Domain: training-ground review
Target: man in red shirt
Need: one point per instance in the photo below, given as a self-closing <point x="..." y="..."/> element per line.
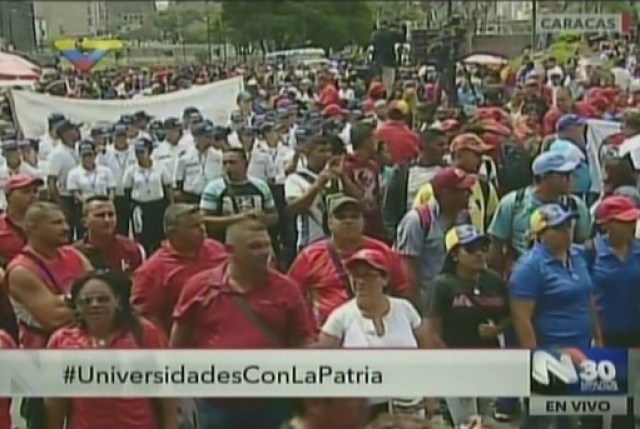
<point x="401" y="141"/>
<point x="319" y="268"/>
<point x="242" y="304"/>
<point x="328" y="93"/>
<point x="158" y="282"/>
<point x="40" y="277"/>
<point x="101" y="245"/>
<point x="363" y="170"/>
<point x="21" y="191"/>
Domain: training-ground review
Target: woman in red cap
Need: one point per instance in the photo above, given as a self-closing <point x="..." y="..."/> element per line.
<point x="373" y="319"/>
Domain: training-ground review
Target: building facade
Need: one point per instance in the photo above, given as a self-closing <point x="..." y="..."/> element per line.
<point x="62" y="19"/>
<point x="17" y="25"/>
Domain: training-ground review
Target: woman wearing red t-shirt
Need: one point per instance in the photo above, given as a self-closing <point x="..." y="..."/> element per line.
<point x="107" y="321"/>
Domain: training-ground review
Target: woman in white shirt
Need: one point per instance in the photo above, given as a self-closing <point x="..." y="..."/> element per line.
<point x="148" y="185"/>
<point x="373" y="319"/>
<point x="89" y="179"/>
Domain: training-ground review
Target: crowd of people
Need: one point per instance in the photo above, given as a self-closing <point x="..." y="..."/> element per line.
<point x="335" y="213"/>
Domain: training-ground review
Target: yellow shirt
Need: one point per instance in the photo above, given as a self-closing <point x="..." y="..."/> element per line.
<point x="477" y="207"/>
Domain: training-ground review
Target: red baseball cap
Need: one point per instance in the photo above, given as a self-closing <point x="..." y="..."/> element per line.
<point x="21" y="181"/>
<point x="617" y="208"/>
<point x="470" y="142"/>
<point x="371" y="257"/>
<point x="333" y="110"/>
<point x="452" y="179"/>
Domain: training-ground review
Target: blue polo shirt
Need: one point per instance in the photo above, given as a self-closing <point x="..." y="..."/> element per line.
<point x="562" y="315"/>
<point x="617" y="287"/>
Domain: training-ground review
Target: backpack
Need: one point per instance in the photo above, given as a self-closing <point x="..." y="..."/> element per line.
<point x="515" y="171"/>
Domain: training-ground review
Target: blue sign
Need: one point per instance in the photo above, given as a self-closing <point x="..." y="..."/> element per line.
<point x="575" y="372"/>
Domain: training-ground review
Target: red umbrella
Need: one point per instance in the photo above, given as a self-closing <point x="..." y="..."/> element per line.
<point x="15" y="67"/>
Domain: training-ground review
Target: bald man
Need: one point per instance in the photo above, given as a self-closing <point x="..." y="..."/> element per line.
<point x="40" y="277"/>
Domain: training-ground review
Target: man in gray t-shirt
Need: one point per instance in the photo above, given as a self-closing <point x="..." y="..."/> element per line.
<point x="420" y="234"/>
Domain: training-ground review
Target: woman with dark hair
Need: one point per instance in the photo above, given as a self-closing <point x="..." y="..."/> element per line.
<point x="107" y="321"/>
<point x="470" y="306"/>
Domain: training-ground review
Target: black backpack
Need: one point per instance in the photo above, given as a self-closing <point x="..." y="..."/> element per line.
<point x="515" y="170"/>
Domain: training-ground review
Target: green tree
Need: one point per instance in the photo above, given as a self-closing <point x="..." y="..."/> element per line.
<point x="286" y="24"/>
<point x="186" y="21"/>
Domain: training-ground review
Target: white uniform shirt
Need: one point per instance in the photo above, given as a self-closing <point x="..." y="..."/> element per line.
<point x="90" y="183"/>
<point x="117" y="162"/>
<point x="186" y="140"/>
<point x="279" y="157"/>
<point x="45" y="148"/>
<point x="6" y="172"/>
<point x="146" y="184"/>
<point x="195" y="170"/>
<point x="166" y="155"/>
<point x="62" y="160"/>
<point x="260" y="163"/>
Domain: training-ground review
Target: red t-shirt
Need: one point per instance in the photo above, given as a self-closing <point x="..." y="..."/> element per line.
<point x="120" y="253"/>
<point x="5" y="404"/>
<point x="401" y="141"/>
<point x="366" y="174"/>
<point x="66" y="267"/>
<point x="328" y="95"/>
<point x="207" y="308"/>
<point x="12" y="239"/>
<point x="107" y="413"/>
<point x="157" y="284"/>
<point x="320" y="279"/>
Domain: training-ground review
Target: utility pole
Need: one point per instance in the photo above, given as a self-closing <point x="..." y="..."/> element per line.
<point x="534" y="24"/>
<point x="208" y="21"/>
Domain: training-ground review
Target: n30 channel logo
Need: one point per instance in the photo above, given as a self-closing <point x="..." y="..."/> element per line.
<point x="575" y="371"/>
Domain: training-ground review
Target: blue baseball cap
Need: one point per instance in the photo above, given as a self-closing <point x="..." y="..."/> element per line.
<point x="549" y="216"/>
<point x="54" y="118"/>
<point x="189" y="111"/>
<point x="142" y="144"/>
<point x="172" y="122"/>
<point x="552" y="162"/>
<point x="567" y="121"/>
<point x="100" y="131"/>
<point x="463" y="235"/>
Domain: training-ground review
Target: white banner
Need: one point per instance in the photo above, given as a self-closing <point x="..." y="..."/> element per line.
<point x="215" y="101"/>
<point x="264" y="373"/>
<point x="597" y="132"/>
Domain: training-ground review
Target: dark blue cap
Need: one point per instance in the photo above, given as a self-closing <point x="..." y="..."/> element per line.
<point x="220" y="132"/>
<point x="141" y="114"/>
<point x="203" y="129"/>
<point x="142" y="144"/>
<point x="54" y="118"/>
<point x="190" y="111"/>
<point x="86" y="147"/>
<point x="172" y="123"/>
<point x="101" y="131"/>
<point x="125" y="119"/>
<point x="119" y="129"/>
<point x="64" y="126"/>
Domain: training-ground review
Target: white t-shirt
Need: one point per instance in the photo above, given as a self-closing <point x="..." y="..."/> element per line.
<point x="308" y="225"/>
<point x="356" y="331"/>
<point x="61" y="161"/>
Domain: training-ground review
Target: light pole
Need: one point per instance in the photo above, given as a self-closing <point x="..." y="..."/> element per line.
<point x="207" y="20"/>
